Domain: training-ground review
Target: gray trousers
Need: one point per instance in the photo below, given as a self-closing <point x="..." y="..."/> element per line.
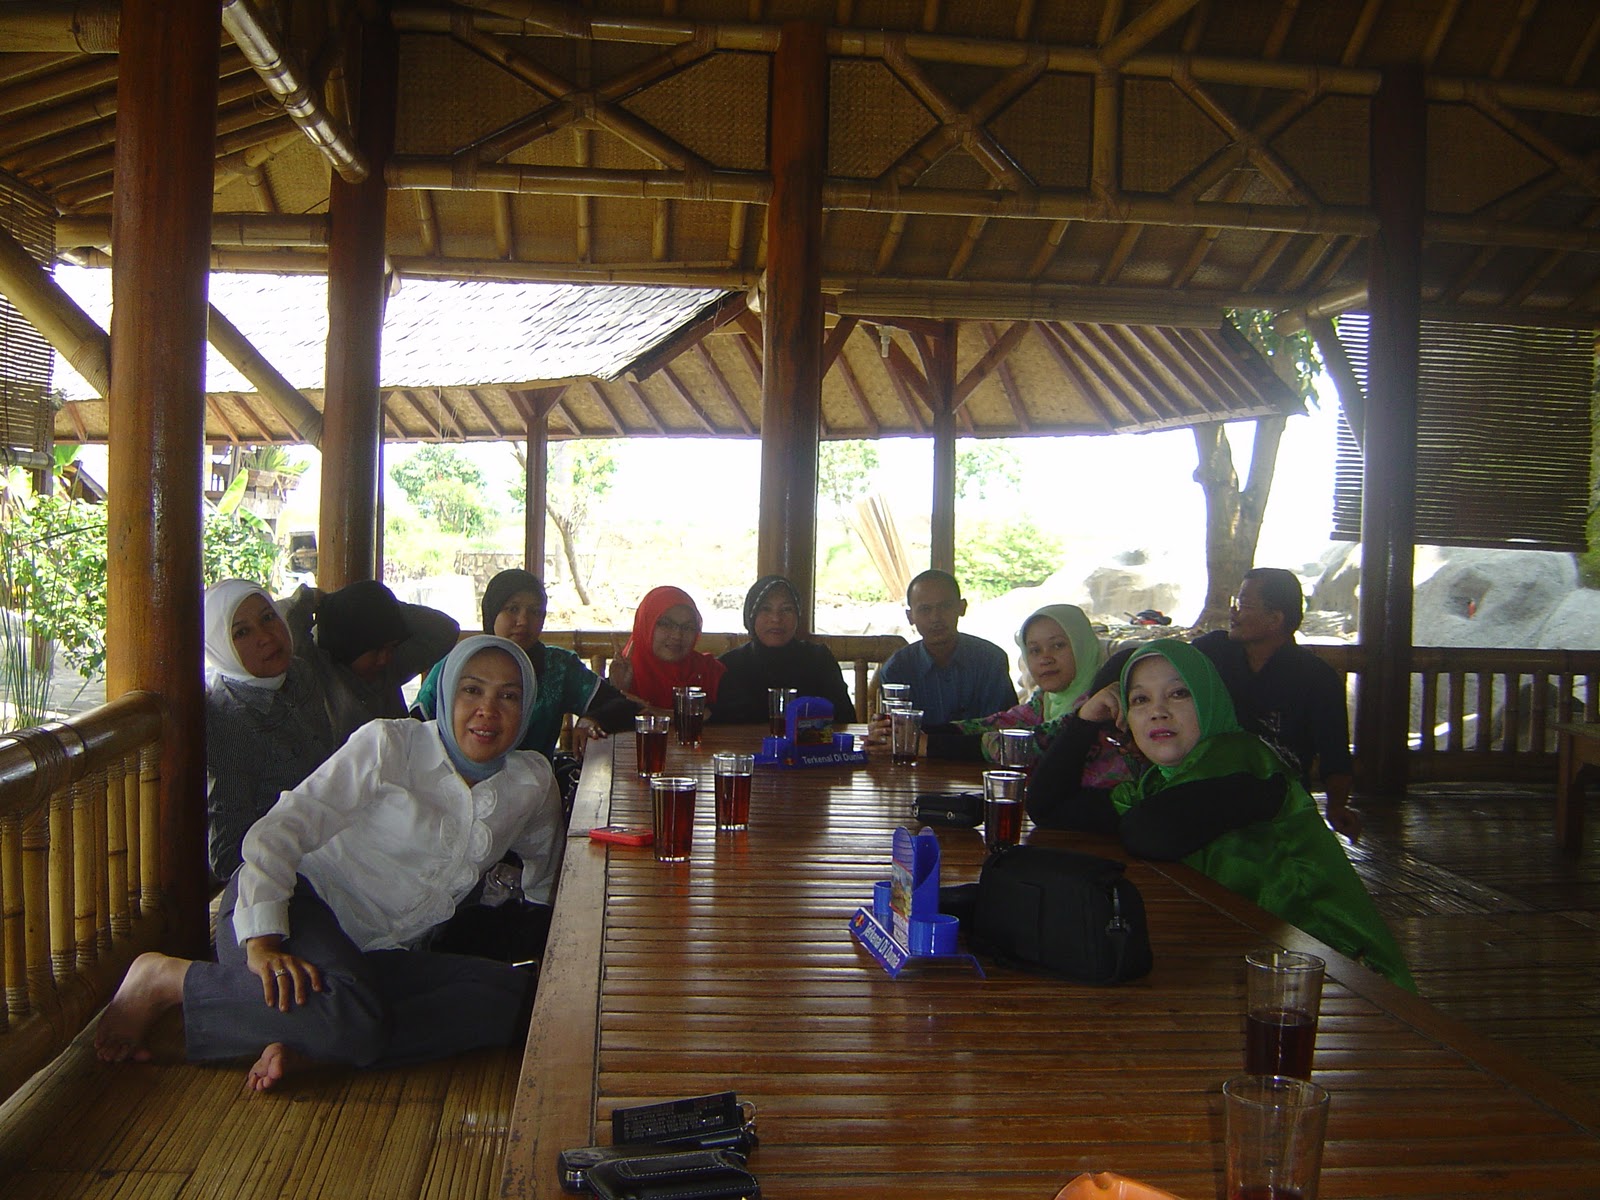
<point x="381" y="1008"/>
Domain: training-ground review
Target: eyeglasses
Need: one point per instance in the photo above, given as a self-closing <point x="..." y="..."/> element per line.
<point x="1241" y="608"/>
<point x="685" y="627"/>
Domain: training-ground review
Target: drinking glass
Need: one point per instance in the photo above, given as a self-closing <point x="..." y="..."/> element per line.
<point x="1002" y="808"/>
<point x="733" y="774"/>
<point x="1017" y="750"/>
<point x="650" y="733"/>
<point x="672" y="804"/>
<point x="1283" y="994"/>
<point x="1275" y="1127"/>
<point x="689" y="715"/>
<point x="905" y="734"/>
<point x="778" y="701"/>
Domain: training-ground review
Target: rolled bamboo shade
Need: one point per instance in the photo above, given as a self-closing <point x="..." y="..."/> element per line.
<point x="26" y="415"/>
<point x="1503" y="437"/>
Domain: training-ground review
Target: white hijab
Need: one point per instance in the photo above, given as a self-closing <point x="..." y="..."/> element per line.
<point x="222" y="600"/>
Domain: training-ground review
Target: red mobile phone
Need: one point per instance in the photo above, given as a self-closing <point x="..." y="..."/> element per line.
<point x="622" y="835"/>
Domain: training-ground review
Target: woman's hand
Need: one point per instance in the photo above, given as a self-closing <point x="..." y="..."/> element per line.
<point x="1105" y="705"/>
<point x="285" y="978"/>
<point x="585" y="731"/>
<point x="877" y="732"/>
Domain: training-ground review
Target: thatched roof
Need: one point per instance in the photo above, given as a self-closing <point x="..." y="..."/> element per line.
<point x="1129" y="162"/>
<point x="470" y="360"/>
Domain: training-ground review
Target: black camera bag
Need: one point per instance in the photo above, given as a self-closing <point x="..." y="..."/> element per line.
<point x="1062" y="913"/>
<point x="949" y="808"/>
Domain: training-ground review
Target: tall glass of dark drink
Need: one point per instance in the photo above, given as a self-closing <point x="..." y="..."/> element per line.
<point x="1017" y="750"/>
<point x="672" y="803"/>
<point x="1002" y="808"/>
<point x="1283" y="995"/>
<point x="905" y="735"/>
<point x="650" y="734"/>
<point x="778" y="701"/>
<point x="733" y="776"/>
<point x="689" y="714"/>
<point x="1275" y="1127"/>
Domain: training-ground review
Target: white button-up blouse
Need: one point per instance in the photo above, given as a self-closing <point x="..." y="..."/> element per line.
<point x="393" y="838"/>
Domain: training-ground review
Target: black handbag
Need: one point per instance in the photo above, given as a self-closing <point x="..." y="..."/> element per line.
<point x="950" y="808"/>
<point x="681" y="1175"/>
<point x="1063" y="913"/>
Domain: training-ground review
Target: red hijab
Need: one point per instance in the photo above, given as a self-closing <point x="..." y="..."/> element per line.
<point x="653" y="680"/>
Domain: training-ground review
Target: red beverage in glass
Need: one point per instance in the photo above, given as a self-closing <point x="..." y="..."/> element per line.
<point x="778" y="726"/>
<point x="1002" y="823"/>
<point x="672" y="800"/>
<point x="1266" y="1191"/>
<point x="733" y="801"/>
<point x="1279" y="1042"/>
<point x="652" y="746"/>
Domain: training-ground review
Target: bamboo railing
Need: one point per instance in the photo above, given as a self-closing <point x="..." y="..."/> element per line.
<point x="79" y="864"/>
<point x="1484" y="714"/>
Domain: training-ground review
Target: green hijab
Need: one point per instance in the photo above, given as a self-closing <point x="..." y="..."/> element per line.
<point x="1212" y="755"/>
<point x="1087" y="654"/>
<point x="1291" y="865"/>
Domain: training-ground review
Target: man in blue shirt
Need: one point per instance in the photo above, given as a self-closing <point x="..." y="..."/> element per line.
<point x="953" y="676"/>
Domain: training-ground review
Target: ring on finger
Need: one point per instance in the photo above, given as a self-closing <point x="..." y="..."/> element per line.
<point x="280" y="973"/>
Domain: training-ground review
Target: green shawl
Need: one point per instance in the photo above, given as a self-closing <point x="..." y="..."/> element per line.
<point x="1292" y="865"/>
<point x="1087" y="654"/>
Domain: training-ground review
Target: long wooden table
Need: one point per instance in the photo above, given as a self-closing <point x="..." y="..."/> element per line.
<point x="736" y="971"/>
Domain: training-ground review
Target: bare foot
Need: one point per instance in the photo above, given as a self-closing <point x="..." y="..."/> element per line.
<point x="153" y="984"/>
<point x="277" y="1062"/>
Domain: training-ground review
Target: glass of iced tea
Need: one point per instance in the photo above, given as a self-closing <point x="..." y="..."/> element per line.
<point x="1283" y="995"/>
<point x="1002" y="808"/>
<point x="778" y="701"/>
<point x="733" y="775"/>
<point x="650" y="734"/>
<point x="672" y="803"/>
<point x="905" y="735"/>
<point x="689" y="715"/>
<point x="1017" y="750"/>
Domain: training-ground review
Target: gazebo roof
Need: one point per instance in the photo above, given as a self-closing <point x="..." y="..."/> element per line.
<point x="470" y="360"/>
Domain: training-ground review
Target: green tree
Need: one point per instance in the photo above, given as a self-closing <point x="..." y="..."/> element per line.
<point x="446" y="487"/>
<point x="845" y="470"/>
<point x="997" y="556"/>
<point x="985" y="465"/>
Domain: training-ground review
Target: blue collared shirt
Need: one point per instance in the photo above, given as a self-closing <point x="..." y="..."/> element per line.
<point x="976" y="682"/>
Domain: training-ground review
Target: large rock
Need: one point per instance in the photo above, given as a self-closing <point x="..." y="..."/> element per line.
<point x="1575" y="624"/>
<point x="1492" y="597"/>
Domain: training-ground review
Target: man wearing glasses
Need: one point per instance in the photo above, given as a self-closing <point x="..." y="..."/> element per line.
<point x="1283" y="691"/>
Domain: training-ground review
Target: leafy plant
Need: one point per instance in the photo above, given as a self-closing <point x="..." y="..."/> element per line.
<point x="845" y="470"/>
<point x="982" y="465"/>
<point x="995" y="556"/>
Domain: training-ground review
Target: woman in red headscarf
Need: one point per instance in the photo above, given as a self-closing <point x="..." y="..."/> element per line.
<point x="661" y="655"/>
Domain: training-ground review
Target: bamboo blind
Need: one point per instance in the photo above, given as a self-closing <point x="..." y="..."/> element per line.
<point x="26" y="416"/>
<point x="1503" y="436"/>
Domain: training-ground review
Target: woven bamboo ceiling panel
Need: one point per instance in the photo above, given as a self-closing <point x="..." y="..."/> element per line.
<point x="1053" y="164"/>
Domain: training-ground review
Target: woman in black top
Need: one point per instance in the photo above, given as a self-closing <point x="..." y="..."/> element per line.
<point x="777" y="656"/>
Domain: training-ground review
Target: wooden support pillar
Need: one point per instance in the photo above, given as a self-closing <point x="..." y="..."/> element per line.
<point x="537" y="468"/>
<point x="791" y="385"/>
<point x="161" y="223"/>
<point x="939" y="354"/>
<point x="352" y="432"/>
<point x="1389" y="449"/>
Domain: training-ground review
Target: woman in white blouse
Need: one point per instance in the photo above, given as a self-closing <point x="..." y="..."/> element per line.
<point x="322" y="934"/>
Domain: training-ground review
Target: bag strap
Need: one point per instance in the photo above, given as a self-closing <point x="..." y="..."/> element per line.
<point x="1119" y="932"/>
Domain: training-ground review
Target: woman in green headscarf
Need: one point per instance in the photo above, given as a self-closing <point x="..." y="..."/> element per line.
<point x="1062" y="654"/>
<point x="1225" y="804"/>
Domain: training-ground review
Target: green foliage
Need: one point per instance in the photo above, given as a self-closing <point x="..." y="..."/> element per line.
<point x="237" y="545"/>
<point x="993" y="557"/>
<point x="54" y="575"/>
<point x="1303" y="364"/>
<point x="445" y="486"/>
<point x="413" y="549"/>
<point x="275" y="458"/>
<point x="981" y="466"/>
<point x="845" y="470"/>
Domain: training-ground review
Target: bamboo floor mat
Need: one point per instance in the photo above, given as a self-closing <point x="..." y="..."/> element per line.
<point x="1501" y="929"/>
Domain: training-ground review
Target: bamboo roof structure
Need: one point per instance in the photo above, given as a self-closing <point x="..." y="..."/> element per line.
<point x="1044" y="172"/>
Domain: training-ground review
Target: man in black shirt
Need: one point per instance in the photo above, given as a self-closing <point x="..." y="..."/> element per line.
<point x="1283" y="691"/>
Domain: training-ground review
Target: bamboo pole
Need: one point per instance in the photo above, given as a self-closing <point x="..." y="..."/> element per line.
<point x="939" y="366"/>
<point x="166" y="104"/>
<point x="59" y="320"/>
<point x="60" y="874"/>
<point x="132" y="822"/>
<point x="13" y="938"/>
<point x="1389" y="451"/>
<point x="84" y="27"/>
<point x="352" y="406"/>
<point x="84" y="856"/>
<point x="150" y="856"/>
<point x="791" y="384"/>
<point x="288" y="400"/>
<point x="117" y="889"/>
<point x="36" y="905"/>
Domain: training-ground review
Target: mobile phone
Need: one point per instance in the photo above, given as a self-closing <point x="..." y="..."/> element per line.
<point x="622" y="835"/>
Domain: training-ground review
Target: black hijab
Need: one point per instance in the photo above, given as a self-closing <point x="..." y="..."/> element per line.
<point x="773" y="657"/>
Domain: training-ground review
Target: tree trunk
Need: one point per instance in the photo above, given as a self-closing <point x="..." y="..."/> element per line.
<point x="568" y="532"/>
<point x="1233" y="517"/>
